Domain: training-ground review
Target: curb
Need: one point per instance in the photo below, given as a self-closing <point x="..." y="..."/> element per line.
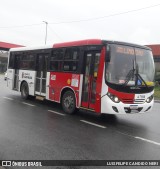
<point x="157" y="101"/>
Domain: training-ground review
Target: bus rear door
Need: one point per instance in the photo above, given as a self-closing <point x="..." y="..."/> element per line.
<point x="16" y="74"/>
<point x="41" y="68"/>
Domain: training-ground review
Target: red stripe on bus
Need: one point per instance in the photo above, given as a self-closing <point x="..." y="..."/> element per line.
<point x="127" y="98"/>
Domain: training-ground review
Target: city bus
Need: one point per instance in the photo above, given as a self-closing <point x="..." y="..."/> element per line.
<point x="101" y="76"/>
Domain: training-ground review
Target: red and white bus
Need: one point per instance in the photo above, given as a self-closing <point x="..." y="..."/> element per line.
<point x="98" y="75"/>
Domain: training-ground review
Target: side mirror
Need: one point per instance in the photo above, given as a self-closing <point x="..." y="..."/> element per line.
<point x="108" y="54"/>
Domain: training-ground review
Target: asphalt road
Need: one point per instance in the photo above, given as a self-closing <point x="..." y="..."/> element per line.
<point x="36" y="130"/>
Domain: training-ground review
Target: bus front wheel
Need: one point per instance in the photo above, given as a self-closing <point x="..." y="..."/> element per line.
<point x="24" y="91"/>
<point x="69" y="102"/>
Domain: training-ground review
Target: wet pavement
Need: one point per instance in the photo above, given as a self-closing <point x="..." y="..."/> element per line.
<point x="36" y="130"/>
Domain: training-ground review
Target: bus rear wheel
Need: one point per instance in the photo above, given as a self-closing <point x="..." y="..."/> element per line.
<point x="24" y="91"/>
<point x="69" y="102"/>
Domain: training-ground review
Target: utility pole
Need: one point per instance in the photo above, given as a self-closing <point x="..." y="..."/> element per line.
<point x="46" y="31"/>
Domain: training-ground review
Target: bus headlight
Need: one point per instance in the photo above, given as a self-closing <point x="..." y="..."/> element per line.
<point x="149" y="99"/>
<point x="116" y="99"/>
<point x="113" y="97"/>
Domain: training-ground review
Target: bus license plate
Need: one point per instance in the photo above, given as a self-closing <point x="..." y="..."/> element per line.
<point x="134" y="107"/>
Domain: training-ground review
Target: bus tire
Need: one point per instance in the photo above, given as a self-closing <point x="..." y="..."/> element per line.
<point x="69" y="102"/>
<point x="24" y="91"/>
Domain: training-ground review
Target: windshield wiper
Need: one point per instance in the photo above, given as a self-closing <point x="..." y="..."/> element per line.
<point x="132" y="73"/>
<point x="129" y="76"/>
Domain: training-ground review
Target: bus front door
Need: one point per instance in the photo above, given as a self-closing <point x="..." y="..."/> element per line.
<point x="41" y="69"/>
<point x="90" y="80"/>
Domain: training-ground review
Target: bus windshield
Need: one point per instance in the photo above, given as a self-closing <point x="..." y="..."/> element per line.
<point x="129" y="66"/>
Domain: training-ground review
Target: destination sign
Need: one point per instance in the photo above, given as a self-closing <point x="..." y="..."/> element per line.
<point x="129" y="51"/>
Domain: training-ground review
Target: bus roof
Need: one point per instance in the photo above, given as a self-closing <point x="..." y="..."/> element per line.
<point x="63" y="44"/>
<point x="78" y="43"/>
<point x="96" y="42"/>
<point x="31" y="48"/>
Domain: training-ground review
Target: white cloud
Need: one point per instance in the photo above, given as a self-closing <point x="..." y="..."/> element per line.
<point x="140" y="36"/>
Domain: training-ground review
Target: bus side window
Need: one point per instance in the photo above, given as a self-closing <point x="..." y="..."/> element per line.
<point x="71" y="59"/>
<point x="56" y="61"/>
<point x="27" y="61"/>
<point x="11" y="61"/>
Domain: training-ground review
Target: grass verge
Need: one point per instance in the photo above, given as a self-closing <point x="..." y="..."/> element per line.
<point x="157" y="92"/>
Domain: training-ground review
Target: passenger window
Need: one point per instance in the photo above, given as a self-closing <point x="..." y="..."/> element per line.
<point x="71" y="59"/>
<point x="56" y="61"/>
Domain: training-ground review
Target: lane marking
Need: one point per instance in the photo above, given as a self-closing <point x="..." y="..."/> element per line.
<point x="7" y="98"/>
<point x="55" y="112"/>
<point x="28" y="104"/>
<point x="93" y="124"/>
<point x="149" y="141"/>
<point x="126" y="134"/>
<point x="140" y="138"/>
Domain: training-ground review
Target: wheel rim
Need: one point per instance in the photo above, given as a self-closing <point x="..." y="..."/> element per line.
<point x="69" y="102"/>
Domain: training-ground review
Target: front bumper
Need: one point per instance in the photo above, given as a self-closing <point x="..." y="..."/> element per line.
<point x="110" y="107"/>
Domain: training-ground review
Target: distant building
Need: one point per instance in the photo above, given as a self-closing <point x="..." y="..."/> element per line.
<point x="3" y="62"/>
<point x="4" y="48"/>
<point x="156" y="55"/>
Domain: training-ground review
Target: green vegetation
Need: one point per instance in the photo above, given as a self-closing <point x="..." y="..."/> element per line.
<point x="157" y="92"/>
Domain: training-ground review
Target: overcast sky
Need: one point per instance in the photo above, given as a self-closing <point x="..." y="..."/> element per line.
<point x="21" y="21"/>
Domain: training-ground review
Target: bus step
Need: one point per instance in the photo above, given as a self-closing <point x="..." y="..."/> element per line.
<point x="40" y="98"/>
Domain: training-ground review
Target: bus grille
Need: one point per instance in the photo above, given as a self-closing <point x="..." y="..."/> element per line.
<point x="139" y="101"/>
<point x="127" y="101"/>
<point x="132" y="101"/>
